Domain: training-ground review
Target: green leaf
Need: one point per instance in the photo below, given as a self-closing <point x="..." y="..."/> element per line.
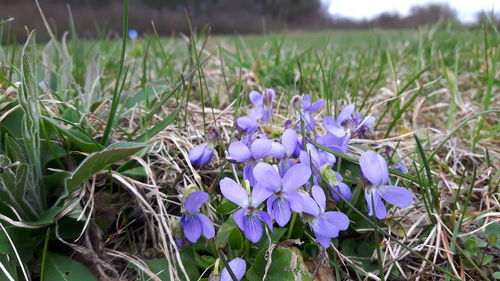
<point x="98" y="161"/>
<point x="235" y="240"/>
<point x="62" y="268"/>
<point x="29" y="102"/>
<point x="82" y="141"/>
<point x="159" y="267"/>
<point x="496" y="275"/>
<point x="22" y="239"/>
<point x="158" y="127"/>
<point x="287" y="264"/>
<point x="14" y="183"/>
<point x="10" y="265"/>
<point x="225" y="230"/>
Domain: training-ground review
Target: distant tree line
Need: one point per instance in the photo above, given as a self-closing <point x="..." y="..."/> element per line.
<point x="166" y="17"/>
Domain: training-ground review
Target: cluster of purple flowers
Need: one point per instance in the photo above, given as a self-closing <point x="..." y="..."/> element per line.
<point x="290" y="174"/>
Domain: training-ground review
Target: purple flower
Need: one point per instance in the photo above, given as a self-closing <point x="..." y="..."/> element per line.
<point x="247" y="126"/>
<point x="260" y="148"/>
<point x="238" y="267"/>
<point x="315" y="159"/>
<point x="284" y="198"/>
<point x="401" y="167"/>
<point x="307" y="109"/>
<point x="248" y="218"/>
<point x="193" y="222"/>
<point x="374" y="169"/>
<point x="333" y="142"/>
<point x="291" y="143"/>
<point x="326" y="225"/>
<point x="340" y="188"/>
<point x="201" y="154"/>
<point x="132" y="33"/>
<point x="263" y="104"/>
<point x="348" y="121"/>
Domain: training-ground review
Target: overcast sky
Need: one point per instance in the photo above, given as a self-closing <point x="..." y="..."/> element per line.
<point x="360" y="9"/>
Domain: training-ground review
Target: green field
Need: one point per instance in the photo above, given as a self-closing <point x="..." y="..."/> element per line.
<point x="95" y="135"/>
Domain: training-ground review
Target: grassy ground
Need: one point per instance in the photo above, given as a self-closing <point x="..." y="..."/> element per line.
<point x="433" y="91"/>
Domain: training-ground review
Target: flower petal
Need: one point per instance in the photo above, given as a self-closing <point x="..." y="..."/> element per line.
<point x="194" y="201"/>
<point x="198" y="155"/>
<point x="324" y="241"/>
<point x="267" y="176"/>
<point x="374" y="168"/>
<point x="380" y="210"/>
<point x="266" y="218"/>
<point x="255" y="97"/>
<point x="319" y="196"/>
<point x="281" y="211"/>
<point x="306" y="102"/>
<point x="206" y="157"/>
<point x="339" y="219"/>
<point x="295" y="201"/>
<point x="295" y="176"/>
<point x="289" y="139"/>
<point x="396" y="195"/>
<point x="252" y="227"/>
<point x="238" y="267"/>
<point x="316" y="106"/>
<point x="323" y="227"/>
<point x="207" y="227"/>
<point x="375" y="204"/>
<point x="343" y="190"/>
<point x="247" y="123"/>
<point x="192" y="227"/>
<point x="234" y="192"/>
<point x="333" y="142"/>
<point x="239" y="218"/>
<point x="239" y="151"/>
<point x="260" y="148"/>
<point x="310" y="206"/>
<point x="259" y="194"/>
<point x="332" y="127"/>
<point x="277" y="150"/>
<point x="346" y="113"/>
<point x="257" y="112"/>
<point x="248" y="172"/>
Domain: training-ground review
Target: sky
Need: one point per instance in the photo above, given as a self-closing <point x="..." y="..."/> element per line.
<point x="366" y="9"/>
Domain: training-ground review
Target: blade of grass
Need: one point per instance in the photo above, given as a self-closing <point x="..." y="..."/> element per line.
<point x="116" y="94"/>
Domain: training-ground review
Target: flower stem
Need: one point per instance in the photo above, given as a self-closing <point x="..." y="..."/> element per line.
<point x="247" y="248"/>
<point x="292" y="223"/>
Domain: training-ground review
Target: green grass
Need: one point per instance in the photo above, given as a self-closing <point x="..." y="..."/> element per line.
<point x="434" y="92"/>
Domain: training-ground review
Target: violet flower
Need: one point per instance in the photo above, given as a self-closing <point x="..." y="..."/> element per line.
<point x="260" y="148"/>
<point x="202" y="154"/>
<point x="374" y="169"/>
<point x="247" y="218"/>
<point x="247" y="126"/>
<point x="193" y="222"/>
<point x="291" y="143"/>
<point x="326" y="225"/>
<point x="401" y="167"/>
<point x="306" y="115"/>
<point x="263" y="104"/>
<point x="349" y="121"/>
<point x="338" y="187"/>
<point x="284" y="198"/>
<point x="333" y="142"/>
<point x="315" y="160"/>
<point x="238" y="267"/>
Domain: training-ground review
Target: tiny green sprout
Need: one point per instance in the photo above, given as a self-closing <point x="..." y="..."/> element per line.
<point x="329" y="175"/>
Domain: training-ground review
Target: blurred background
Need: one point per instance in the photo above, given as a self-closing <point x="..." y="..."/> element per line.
<point x="166" y="17"/>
